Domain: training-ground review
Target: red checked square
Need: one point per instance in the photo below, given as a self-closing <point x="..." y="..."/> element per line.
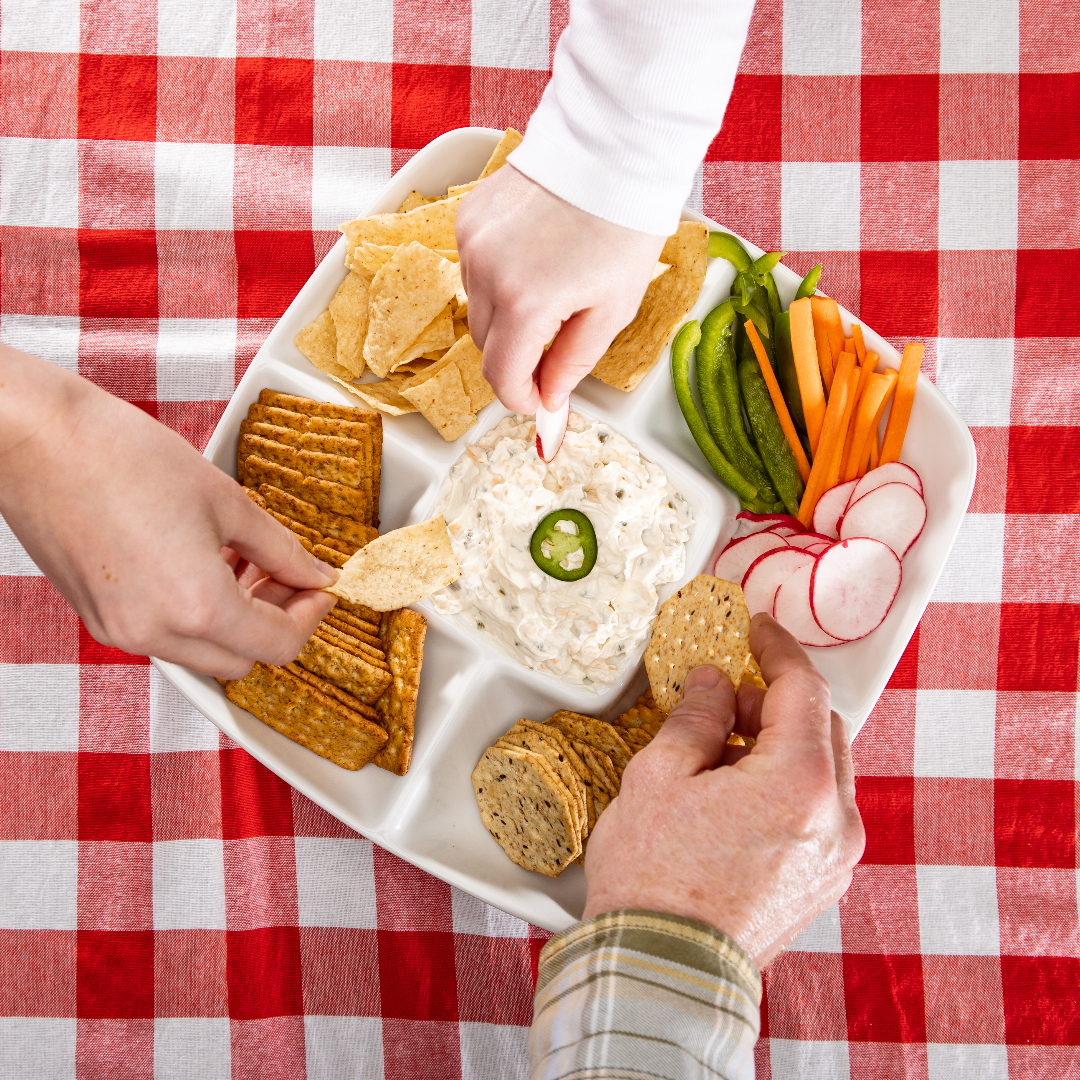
<point x="1038" y="647"/>
<point x="116" y="184"/>
<point x="409" y="899"/>
<point x="273" y="100"/>
<point x="976" y="292"/>
<point x="890" y="750"/>
<point x="419" y="1048"/>
<point x="427" y="100"/>
<point x="745" y="195"/>
<point x="880" y="912"/>
<point x="958" y="646"/>
<point x="260" y="882"/>
<point x="884" y="998"/>
<point x="340" y="971"/>
<point x="190" y="973"/>
<point x="494" y="980"/>
<point x="195" y="420"/>
<point x="272" y="268"/>
<point x="118" y="97"/>
<point x="806" y="997"/>
<point x="1037" y="912"/>
<point x="1035" y="823"/>
<point x="753" y="123"/>
<point x="1044" y="471"/>
<point x="1033" y="569"/>
<point x="352" y="103"/>
<point x="254" y="802"/>
<point x="115" y="886"/>
<point x="39" y="95"/>
<point x="115" y="974"/>
<point x="899" y="118"/>
<point x="1040" y="999"/>
<point x="39" y="273"/>
<point x="905" y="675"/>
<point x="310" y="819"/>
<point x="114" y="709"/>
<point x="899" y="39"/>
<point x="185" y="795"/>
<point x="37" y="972"/>
<point x="196" y="99"/>
<point x="954" y="821"/>
<point x="271" y="1048"/>
<point x="991" y="479"/>
<point x="1050" y="115"/>
<point x="821" y="118"/>
<point x="887" y="807"/>
<point x="417" y="975"/>
<point x="264" y="973"/>
<point x="765" y="40"/>
<point x="899" y="206"/>
<point x="196" y="274"/>
<point x="118" y="274"/>
<point x="900" y="292"/>
<point x="887" y="1059"/>
<point x="273" y="28"/>
<point x="102" y="1042"/>
<point x="979" y="94"/>
<point x="136" y="386"/>
<point x="1046" y="381"/>
<point x="38" y="626"/>
<point x="963" y="999"/>
<point x="1044" y="297"/>
<point x="114" y="797"/>
<point x="41" y="796"/>
<point x="1048" y="41"/>
<point x="272" y="187"/>
<point x="101" y="341"/>
<point x="505" y="97"/>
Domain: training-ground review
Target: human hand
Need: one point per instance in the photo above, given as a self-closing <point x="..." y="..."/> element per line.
<point x="532" y="263"/>
<point x="757" y="848"/>
<point x="157" y="550"/>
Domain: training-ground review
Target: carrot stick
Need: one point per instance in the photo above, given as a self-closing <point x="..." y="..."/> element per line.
<point x="871" y="406"/>
<point x="779" y="404"/>
<point x="832" y="432"/>
<point x="875" y="454"/>
<point x="849" y="346"/>
<point x="896" y="428"/>
<point x="804" y="351"/>
<point x="860" y="345"/>
<point x="848" y="464"/>
<point x="833" y="476"/>
<point x="821" y="339"/>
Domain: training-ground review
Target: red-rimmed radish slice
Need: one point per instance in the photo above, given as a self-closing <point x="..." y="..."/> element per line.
<point x="809" y="541"/>
<point x="551" y="429"/>
<point x="735" y="559"/>
<point x="893" y="513"/>
<point x="784" y="530"/>
<point x="768" y="572"/>
<point x="852" y="587"/>
<point x="830" y="508"/>
<point x="750" y="523"/>
<point x="892" y="472"/>
<point x="791" y="609"/>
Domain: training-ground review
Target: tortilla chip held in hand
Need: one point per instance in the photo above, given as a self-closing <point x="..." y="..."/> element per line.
<point x="399" y="567"/>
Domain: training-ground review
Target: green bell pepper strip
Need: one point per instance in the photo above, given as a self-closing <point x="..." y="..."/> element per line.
<point x="681" y="349"/>
<point x="809" y="283"/>
<point x="768" y="262"/>
<point x="723" y="245"/>
<point x="769" y="435"/>
<point x="550" y="545"/>
<point x="774" y="297"/>
<point x="786" y="374"/>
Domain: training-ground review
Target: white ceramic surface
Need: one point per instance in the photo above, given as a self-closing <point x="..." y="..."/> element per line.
<point x="470" y="693"/>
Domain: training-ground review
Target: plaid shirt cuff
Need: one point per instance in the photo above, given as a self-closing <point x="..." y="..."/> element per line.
<point x="632" y="995"/>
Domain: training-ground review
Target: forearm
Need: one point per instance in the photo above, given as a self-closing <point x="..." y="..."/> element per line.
<point x="639" y="994"/>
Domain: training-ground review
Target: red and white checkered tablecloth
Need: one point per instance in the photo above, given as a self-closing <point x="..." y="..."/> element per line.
<point x="170" y="174"/>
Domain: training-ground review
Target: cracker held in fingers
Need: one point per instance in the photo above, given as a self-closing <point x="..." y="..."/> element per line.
<point x="403" y="634"/>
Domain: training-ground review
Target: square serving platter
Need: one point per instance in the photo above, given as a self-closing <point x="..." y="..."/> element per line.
<point x="470" y="691"/>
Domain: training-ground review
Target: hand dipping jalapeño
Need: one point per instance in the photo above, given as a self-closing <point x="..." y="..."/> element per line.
<point x="564" y="545"/>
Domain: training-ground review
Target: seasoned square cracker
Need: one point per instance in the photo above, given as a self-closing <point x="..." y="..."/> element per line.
<point x="355" y="676"/>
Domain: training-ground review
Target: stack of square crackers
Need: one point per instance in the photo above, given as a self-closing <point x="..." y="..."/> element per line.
<point x="350" y="696"/>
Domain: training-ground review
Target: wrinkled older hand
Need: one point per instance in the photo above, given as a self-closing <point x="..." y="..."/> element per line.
<point x="753" y="842"/>
<point x="157" y="550"/>
<point x="532" y="263"/>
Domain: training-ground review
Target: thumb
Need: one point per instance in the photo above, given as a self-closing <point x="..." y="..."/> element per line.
<point x="579" y="344"/>
<point x="695" y="733"/>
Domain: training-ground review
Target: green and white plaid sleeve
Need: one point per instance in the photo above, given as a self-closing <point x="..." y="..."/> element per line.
<point x="637" y="995"/>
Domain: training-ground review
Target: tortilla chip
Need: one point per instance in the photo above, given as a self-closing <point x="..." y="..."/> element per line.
<point x="510" y="141"/>
<point x="469" y="362"/>
<point x="383" y="396"/>
<point x="431" y="225"/>
<point x="637" y="347"/>
<point x="354" y="675"/>
<point x="318" y="342"/>
<point x="705" y="622"/>
<point x="403" y="634"/>
<point x="443" y="402"/>
<point x="438" y="334"/>
<point x="413" y="200"/>
<point x="349" y="310"/>
<point x="399" y="567"/>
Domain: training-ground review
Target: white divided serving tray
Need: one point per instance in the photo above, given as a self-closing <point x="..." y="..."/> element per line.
<point x="470" y="691"/>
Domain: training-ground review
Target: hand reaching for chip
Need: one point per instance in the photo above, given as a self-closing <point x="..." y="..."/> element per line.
<point x="532" y="263"/>
<point x="756" y="848"/>
<point x="155" y="548"/>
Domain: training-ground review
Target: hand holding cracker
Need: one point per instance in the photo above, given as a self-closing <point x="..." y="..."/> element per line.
<point x="757" y="848"/>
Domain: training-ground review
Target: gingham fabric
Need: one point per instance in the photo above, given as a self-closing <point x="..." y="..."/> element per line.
<point x="169" y="176"/>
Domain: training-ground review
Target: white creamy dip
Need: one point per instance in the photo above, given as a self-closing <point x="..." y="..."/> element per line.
<point x="497" y="493"/>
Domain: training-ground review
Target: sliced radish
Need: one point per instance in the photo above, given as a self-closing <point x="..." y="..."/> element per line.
<point x="749" y="523"/>
<point x="893" y="513"/>
<point x="830" y="508"/>
<point x="809" y="540"/>
<point x="768" y="572"/>
<point x="736" y="558"/>
<point x="550" y="430"/>
<point x="784" y="530"/>
<point x="892" y="472"/>
<point x="853" y="585"/>
<point x="791" y="609"/>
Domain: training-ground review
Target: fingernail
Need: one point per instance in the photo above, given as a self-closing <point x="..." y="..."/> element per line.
<point x="331" y="573"/>
<point x="701" y="678"/>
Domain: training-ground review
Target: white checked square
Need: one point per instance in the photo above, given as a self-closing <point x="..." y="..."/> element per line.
<point x="13" y="558"/>
<point x="196" y="28"/>
<point x="493" y="1051"/>
<point x="39" y="884"/>
<point x="39" y="182"/>
<point x="339" y="1046"/>
<point x="979" y="37"/>
<point x="977" y="205"/>
<point x="819" y="205"/>
<point x="39" y="707"/>
<point x="189" y="885"/>
<point x="823" y="38"/>
<point x="510" y="34"/>
<point x="346" y="30"/>
<point x="972" y="574"/>
<point x="958" y="910"/>
<point x="335" y="882"/>
<point x="38" y="1047"/>
<point x="344" y="181"/>
<point x="957" y="1061"/>
<point x="186" y="1047"/>
<point x="954" y="733"/>
<point x="976" y="375"/>
<point x="52" y="337"/>
<point x="798" y="1059"/>
<point x="175" y="724"/>
<point x="822" y="935"/>
<point x="472" y="916"/>
<point x="193" y="186"/>
<point x="196" y="359"/>
<point x="51" y="27"/>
